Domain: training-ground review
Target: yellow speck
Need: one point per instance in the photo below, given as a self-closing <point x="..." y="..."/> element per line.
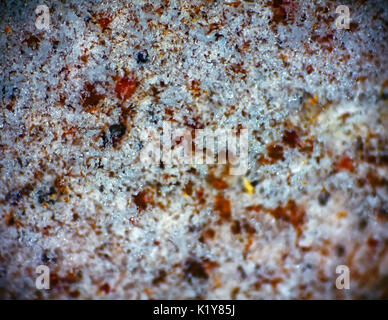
<point x="304" y="182"/>
<point x="248" y="186"/>
<point x="217" y="283"/>
<point x="185" y="194"/>
<point x="314" y="100"/>
<point x="7" y="30"/>
<point x="341" y="214"/>
<point x="52" y="196"/>
<point x="44" y="204"/>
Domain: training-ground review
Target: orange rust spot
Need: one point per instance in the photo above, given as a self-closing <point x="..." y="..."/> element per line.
<point x="217" y="183"/>
<point x="70" y="131"/>
<point x="238" y="68"/>
<point x="341" y="214"/>
<point x="372" y="243"/>
<point x="314" y="99"/>
<point x="188" y="188"/>
<point x="200" y="195"/>
<point x="307" y="146"/>
<point x="103" y="22"/>
<point x="195" y="87"/>
<point x="105" y="288"/>
<point x="234" y="4"/>
<point x="248" y="244"/>
<point x="309" y="69"/>
<point x="256" y="208"/>
<point x="142" y="199"/>
<point x="345" y="163"/>
<point x="223" y="206"/>
<point x="283" y="12"/>
<point x="291" y="213"/>
<point x="208" y="234"/>
<point x="214" y="26"/>
<point x="125" y="87"/>
<point x="210" y="265"/>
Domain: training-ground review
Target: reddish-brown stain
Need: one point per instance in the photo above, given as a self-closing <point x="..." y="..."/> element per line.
<point x="345" y="163"/>
<point x="290" y="138"/>
<point x="215" y="182"/>
<point x="291" y="213"/>
<point x="234" y="4"/>
<point x="160" y="277"/>
<point x="309" y="69"/>
<point x="32" y="42"/>
<point x="104" y="21"/>
<point x="188" y="188"/>
<point x="90" y="97"/>
<point x="283" y="12"/>
<point x="125" y="87"/>
<point x="142" y="199"/>
<point x="275" y="152"/>
<point x="195" y="87"/>
<point x="238" y="68"/>
<point x="236" y="227"/>
<point x="195" y="269"/>
<point x="223" y="206"/>
<point x="248" y="228"/>
<point x="372" y="243"/>
<point x="105" y="288"/>
<point x="207" y="234"/>
<point x="307" y="146"/>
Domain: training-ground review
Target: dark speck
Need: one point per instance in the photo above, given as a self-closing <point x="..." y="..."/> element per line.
<point x="117" y="131"/>
<point x="45" y="259"/>
<point x="362" y="224"/>
<point x="323" y="197"/>
<point x="195" y="269"/>
<point x="340" y="251"/>
<point x="218" y="36"/>
<point x="142" y="56"/>
<point x="41" y="197"/>
<point x="160" y="278"/>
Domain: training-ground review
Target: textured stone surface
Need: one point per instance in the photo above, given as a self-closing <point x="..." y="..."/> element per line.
<point x="74" y="195"/>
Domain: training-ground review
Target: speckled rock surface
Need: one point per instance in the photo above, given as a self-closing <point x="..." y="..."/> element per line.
<point x="74" y="195"/>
